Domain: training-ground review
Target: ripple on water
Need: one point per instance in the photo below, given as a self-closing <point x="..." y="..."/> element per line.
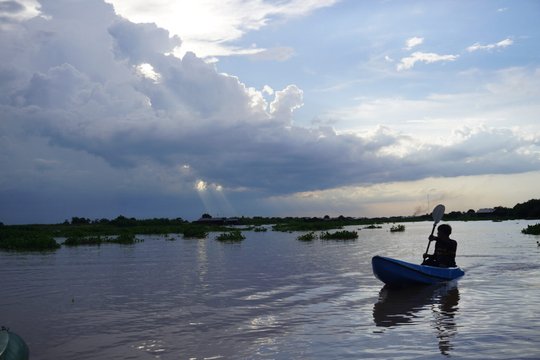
<point x="274" y="297"/>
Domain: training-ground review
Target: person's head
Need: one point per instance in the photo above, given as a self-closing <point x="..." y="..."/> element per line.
<point x="444" y="229"/>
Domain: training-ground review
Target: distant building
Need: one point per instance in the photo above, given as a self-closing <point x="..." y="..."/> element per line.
<point x="485" y="211"/>
<point x="217" y="221"/>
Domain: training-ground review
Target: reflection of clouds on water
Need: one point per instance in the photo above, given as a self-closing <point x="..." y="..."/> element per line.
<point x="396" y="307"/>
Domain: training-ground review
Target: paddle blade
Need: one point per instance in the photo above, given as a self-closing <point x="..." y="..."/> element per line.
<point x="438" y="213"/>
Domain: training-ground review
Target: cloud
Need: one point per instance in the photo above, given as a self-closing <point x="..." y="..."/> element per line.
<point x="499" y="45"/>
<point x="96" y="109"/>
<point x="11" y="7"/>
<point x="13" y="11"/>
<point x="210" y="29"/>
<point x="427" y="58"/>
<point x="507" y="98"/>
<point x="141" y="42"/>
<point x="285" y="102"/>
<point x="412" y="42"/>
<point x="275" y="54"/>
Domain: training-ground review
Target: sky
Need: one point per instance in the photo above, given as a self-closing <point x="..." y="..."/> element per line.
<point x="162" y="108"/>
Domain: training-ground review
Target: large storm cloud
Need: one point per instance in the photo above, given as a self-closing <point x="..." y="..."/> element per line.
<point x="83" y="90"/>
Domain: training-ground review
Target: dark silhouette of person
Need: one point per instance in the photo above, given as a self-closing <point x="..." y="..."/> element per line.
<point x="445" y="248"/>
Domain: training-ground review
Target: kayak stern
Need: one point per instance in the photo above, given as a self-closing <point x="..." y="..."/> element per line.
<point x="398" y="273"/>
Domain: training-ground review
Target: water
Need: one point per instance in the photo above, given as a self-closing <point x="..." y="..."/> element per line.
<point x="273" y="297"/>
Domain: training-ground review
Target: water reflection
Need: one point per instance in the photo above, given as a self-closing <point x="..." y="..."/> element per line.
<point x="397" y="307"/>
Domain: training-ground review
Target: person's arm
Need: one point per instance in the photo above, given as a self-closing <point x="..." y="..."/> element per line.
<point x="431" y="238"/>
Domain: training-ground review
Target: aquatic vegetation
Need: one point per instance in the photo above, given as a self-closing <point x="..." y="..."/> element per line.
<point x="397" y="228"/>
<point x="194" y="231"/>
<point x="231" y="236"/>
<point x="84" y="240"/>
<point x="339" y="235"/>
<point x="125" y="239"/>
<point x="307" y="226"/>
<point x="532" y="229"/>
<point x="27" y="241"/>
<point x="80" y="230"/>
<point x="310" y="236"/>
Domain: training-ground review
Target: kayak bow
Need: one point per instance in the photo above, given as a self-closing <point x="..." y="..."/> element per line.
<point x="398" y="273"/>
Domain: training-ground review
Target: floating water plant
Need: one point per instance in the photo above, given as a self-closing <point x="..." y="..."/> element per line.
<point x="197" y="232"/>
<point x="124" y="239"/>
<point x="20" y="241"/>
<point x="231" y="236"/>
<point x="532" y="230"/>
<point x="397" y="228"/>
<point x="339" y="235"/>
<point x="310" y="236"/>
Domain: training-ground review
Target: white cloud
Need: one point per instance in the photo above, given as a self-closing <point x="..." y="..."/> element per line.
<point x="209" y="28"/>
<point x="268" y="90"/>
<point x="15" y="11"/>
<point x="147" y="70"/>
<point x="285" y="102"/>
<point x="428" y="58"/>
<point x="507" y="99"/>
<point x="412" y="42"/>
<point x="499" y="45"/>
<point x="277" y="54"/>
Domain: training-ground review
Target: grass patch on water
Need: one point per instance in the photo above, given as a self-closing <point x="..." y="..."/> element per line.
<point x="27" y="241"/>
<point x="397" y="228"/>
<point x="339" y="235"/>
<point x="195" y="232"/>
<point x="124" y="239"/>
<point x="231" y="236"/>
<point x="310" y="236"/>
<point x="532" y="230"/>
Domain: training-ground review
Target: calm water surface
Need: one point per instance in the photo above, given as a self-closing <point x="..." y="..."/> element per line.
<point x="273" y="297"/>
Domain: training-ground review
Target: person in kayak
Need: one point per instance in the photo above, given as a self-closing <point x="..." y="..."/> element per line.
<point x="445" y="248"/>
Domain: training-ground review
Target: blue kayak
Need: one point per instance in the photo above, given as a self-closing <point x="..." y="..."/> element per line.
<point x="398" y="273"/>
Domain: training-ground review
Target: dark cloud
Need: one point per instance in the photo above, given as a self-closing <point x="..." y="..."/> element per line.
<point x="141" y="42"/>
<point x="11" y="7"/>
<point x="81" y="119"/>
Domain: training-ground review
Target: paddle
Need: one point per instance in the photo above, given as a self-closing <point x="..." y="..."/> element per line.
<point x="437" y="215"/>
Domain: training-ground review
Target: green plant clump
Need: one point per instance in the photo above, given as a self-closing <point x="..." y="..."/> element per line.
<point x="231" y="236"/>
<point x="532" y="230"/>
<point x="307" y="226"/>
<point x="124" y="239"/>
<point x="84" y="240"/>
<point x="339" y="235"/>
<point x="373" y="226"/>
<point x="29" y="242"/>
<point x="310" y="236"/>
<point x="196" y="232"/>
<point x="397" y="228"/>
